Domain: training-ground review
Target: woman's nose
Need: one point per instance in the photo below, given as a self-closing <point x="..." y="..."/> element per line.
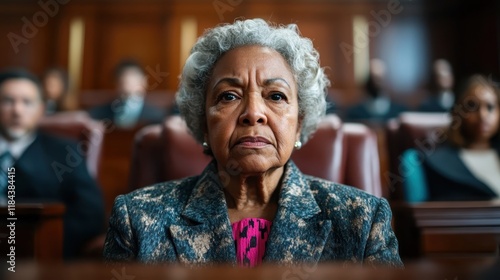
<point x="254" y="111"/>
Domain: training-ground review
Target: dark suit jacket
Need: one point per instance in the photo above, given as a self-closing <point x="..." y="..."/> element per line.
<point x="449" y="179"/>
<point x="187" y="221"/>
<point x="149" y="114"/>
<point x="51" y="169"/>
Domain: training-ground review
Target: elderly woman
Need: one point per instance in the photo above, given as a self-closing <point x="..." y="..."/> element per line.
<point x="467" y="165"/>
<point x="251" y="93"/>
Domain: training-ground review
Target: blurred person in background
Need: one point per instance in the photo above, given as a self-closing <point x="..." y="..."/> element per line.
<point x="377" y="107"/>
<point x="467" y="165"/>
<point x="130" y="108"/>
<point x="55" y="83"/>
<point x="42" y="170"/>
<point x="441" y="96"/>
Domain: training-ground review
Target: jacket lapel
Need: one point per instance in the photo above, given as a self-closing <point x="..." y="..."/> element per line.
<point x="208" y="236"/>
<point x="455" y="169"/>
<point x="299" y="231"/>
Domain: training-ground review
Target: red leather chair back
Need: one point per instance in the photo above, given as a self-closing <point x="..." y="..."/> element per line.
<point x="412" y="130"/>
<point x="79" y="127"/>
<point x="182" y="154"/>
<point x="325" y="147"/>
<point x="333" y="153"/>
<point x="147" y="162"/>
<point x="362" y="166"/>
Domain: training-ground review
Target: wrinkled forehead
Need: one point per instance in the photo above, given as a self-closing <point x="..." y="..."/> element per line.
<point x="266" y="62"/>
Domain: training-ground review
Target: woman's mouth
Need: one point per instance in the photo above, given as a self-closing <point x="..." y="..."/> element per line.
<point x="253" y="141"/>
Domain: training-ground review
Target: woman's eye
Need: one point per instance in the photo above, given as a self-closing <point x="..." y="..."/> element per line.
<point x="490" y="107"/>
<point x="472" y="106"/>
<point x="227" y="96"/>
<point x="277" y="96"/>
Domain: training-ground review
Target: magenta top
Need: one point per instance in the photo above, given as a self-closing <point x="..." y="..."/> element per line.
<point x="250" y="237"/>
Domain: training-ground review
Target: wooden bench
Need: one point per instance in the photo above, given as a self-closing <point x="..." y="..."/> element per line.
<point x="457" y="229"/>
<point x="38" y="231"/>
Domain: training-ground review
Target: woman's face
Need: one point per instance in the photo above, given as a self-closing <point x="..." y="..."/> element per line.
<point x="132" y="83"/>
<point x="252" y="111"/>
<point x="482" y="117"/>
<point x="53" y="87"/>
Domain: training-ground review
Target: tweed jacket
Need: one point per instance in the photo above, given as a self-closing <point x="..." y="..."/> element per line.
<point x="187" y="221"/>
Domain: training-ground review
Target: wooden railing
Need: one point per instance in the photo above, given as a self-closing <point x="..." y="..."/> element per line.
<point x="458" y="229"/>
<point x="35" y="232"/>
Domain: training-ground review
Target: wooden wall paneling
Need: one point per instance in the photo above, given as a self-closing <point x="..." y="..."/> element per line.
<point x="172" y="37"/>
<point x="477" y="39"/>
<point x="61" y="40"/>
<point x="70" y="12"/>
<point x="342" y="67"/>
<point x="35" y="51"/>
<point x="164" y="49"/>
<point x="127" y="36"/>
<point x="91" y="60"/>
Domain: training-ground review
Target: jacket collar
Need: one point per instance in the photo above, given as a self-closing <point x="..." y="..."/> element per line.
<point x="298" y="233"/>
<point x="299" y="230"/>
<point x="207" y="198"/>
<point x="455" y="168"/>
<point x="207" y="237"/>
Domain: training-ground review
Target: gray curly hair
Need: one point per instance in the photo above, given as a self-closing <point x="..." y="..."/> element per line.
<point x="296" y="50"/>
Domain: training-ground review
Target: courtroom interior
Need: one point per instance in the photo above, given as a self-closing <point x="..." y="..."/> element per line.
<point x="329" y="137"/>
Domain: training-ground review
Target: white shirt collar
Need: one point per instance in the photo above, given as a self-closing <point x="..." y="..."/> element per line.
<point x="17" y="147"/>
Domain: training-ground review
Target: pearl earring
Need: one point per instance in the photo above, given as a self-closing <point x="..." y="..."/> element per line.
<point x="298" y="145"/>
<point x="205" y="145"/>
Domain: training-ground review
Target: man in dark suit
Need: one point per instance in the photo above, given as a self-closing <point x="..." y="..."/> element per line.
<point x="130" y="108"/>
<point x="47" y="168"/>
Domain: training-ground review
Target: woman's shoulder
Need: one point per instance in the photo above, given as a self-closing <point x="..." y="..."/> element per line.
<point x="435" y="158"/>
<point x="171" y="194"/>
<point x="331" y="195"/>
<point x="431" y="155"/>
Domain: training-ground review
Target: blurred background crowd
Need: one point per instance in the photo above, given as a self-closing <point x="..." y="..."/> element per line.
<point x="113" y="67"/>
